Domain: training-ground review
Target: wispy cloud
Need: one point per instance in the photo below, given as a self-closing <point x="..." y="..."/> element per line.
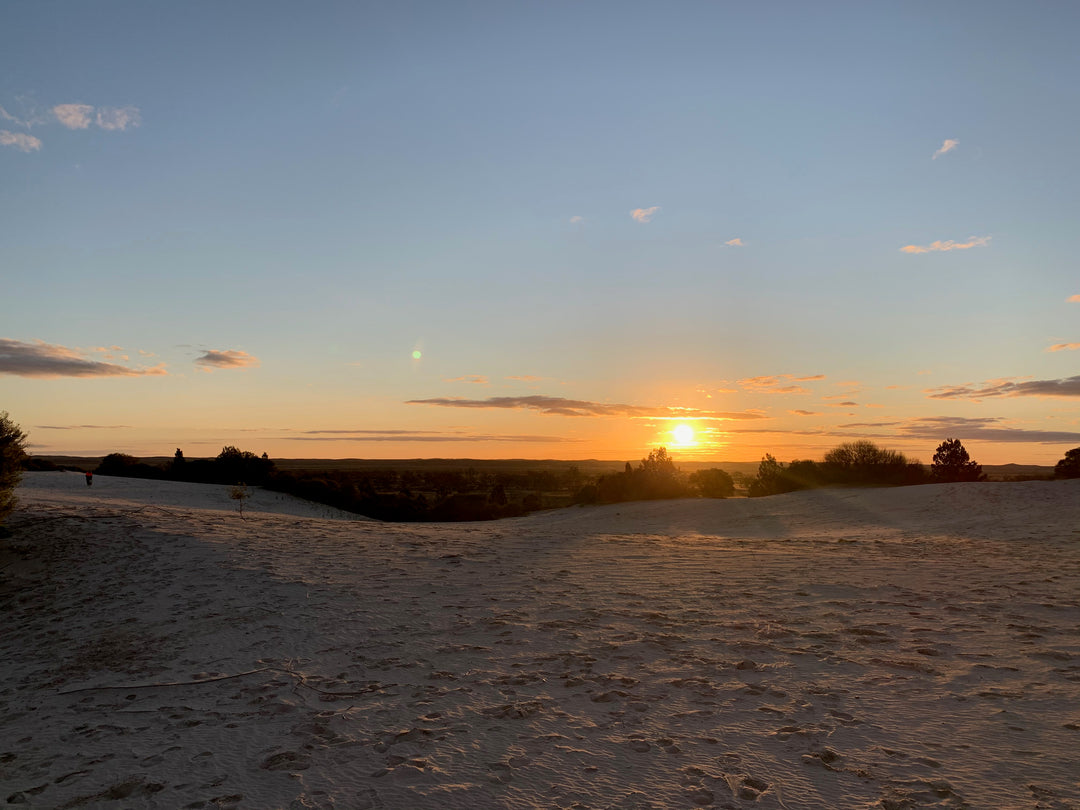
<point x="1065" y="387"/>
<point x="478" y="379"/>
<point x="81" y="116"/>
<point x="30" y="118"/>
<point x="736" y="242"/>
<point x="525" y="378"/>
<point x="773" y="383"/>
<point x="644" y="215"/>
<point x="946" y="147"/>
<point x="5" y="115"/>
<point x="40" y="359"/>
<point x="800" y="412"/>
<point x="82" y="427"/>
<point x="1073" y="299"/>
<point x="576" y="220"/>
<point x="933" y="247"/>
<point x="118" y="118"/>
<point x="20" y="140"/>
<point x="418" y="436"/>
<point x="228" y="358"/>
<point x="985" y="428"/>
<point x="1063" y="347"/>
<point x="575" y="407"/>
<point x="74" y="116"/>
<point x="931" y="429"/>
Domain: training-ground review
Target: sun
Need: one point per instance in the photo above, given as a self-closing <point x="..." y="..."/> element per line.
<point x="683" y="435"/>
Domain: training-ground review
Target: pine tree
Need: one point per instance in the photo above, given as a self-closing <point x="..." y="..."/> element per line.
<point x="952" y="463"/>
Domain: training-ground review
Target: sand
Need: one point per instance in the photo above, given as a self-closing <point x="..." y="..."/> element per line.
<point x="901" y="648"/>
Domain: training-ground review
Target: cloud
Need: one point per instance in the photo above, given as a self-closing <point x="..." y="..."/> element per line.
<point x="13" y="118"/>
<point x="118" y="118"/>
<point x="526" y="378"/>
<point x="845" y="404"/>
<point x="736" y="242"/>
<point x="575" y="220"/>
<point x="1065" y="387"/>
<point x="40" y="359"/>
<point x="81" y="116"/>
<point x="74" y="116"/>
<point x="799" y="412"/>
<point x="20" y="140"/>
<point x="576" y="407"/>
<point x="227" y="358"/>
<point x="948" y="146"/>
<point x="416" y="436"/>
<point x="973" y="241"/>
<point x="771" y="383"/>
<point x="644" y="215"/>
<point x="1062" y="347"/>
<point x="1073" y="299"/>
<point x="478" y="379"/>
<point x="932" y="429"/>
<point x="987" y="428"/>
<point x="82" y="427"/>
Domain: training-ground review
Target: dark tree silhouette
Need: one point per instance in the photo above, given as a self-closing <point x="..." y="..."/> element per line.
<point x="713" y="483"/>
<point x="952" y="463"/>
<point x="1068" y="467"/>
<point x="769" y="477"/>
<point x="863" y="463"/>
<point x="12" y="454"/>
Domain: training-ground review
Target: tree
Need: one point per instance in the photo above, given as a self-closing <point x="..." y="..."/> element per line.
<point x="1068" y="467"/>
<point x="713" y="483"/>
<point x="864" y="463"/>
<point x="769" y="473"/>
<point x="232" y="465"/>
<point x="12" y="455"/>
<point x="952" y="463"/>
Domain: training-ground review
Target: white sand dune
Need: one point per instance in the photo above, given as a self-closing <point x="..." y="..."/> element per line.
<point x="900" y="648"/>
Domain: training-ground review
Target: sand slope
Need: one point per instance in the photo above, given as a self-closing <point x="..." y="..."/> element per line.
<point x="850" y="649"/>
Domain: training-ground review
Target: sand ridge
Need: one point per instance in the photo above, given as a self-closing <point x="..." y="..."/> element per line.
<point x="851" y="649"/>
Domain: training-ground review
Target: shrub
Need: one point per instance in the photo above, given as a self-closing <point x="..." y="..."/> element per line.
<point x="12" y="454"/>
<point x="125" y="466"/>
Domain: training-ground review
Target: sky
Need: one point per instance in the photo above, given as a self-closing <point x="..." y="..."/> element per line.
<point x="540" y="229"/>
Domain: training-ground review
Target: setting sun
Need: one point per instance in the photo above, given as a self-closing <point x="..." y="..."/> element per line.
<point x="684" y="435"/>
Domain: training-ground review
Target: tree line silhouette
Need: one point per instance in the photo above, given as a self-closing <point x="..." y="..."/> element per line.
<point x="468" y="494"/>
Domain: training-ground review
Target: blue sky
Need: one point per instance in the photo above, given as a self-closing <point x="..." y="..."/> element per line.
<point x="235" y="223"/>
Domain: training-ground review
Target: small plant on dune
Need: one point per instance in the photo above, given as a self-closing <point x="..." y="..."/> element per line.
<point x="240" y="493"/>
<point x="12" y="454"/>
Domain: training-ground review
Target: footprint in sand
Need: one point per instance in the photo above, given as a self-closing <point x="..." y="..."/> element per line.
<point x="286" y="761"/>
<point x="748" y="788"/>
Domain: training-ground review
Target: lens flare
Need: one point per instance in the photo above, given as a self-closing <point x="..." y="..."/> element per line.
<point x="416" y="355"/>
